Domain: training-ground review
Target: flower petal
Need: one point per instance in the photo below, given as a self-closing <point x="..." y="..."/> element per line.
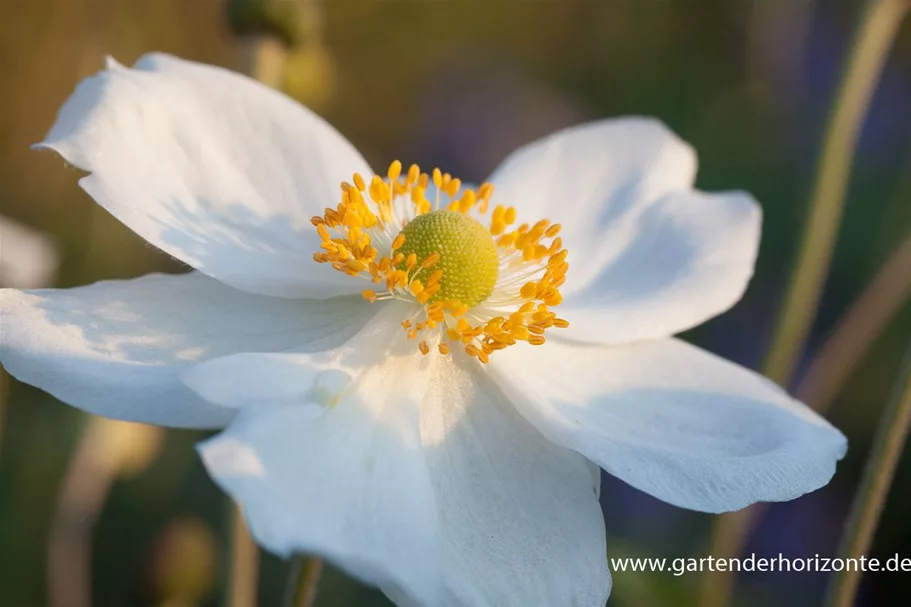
<point x="685" y="259"/>
<point x="516" y="519"/>
<point x="519" y="516"/>
<point x="116" y="348"/>
<point x="594" y="179"/>
<point x="213" y="168"/>
<point x="303" y="376"/>
<point x="347" y="481"/>
<point x="674" y="421"/>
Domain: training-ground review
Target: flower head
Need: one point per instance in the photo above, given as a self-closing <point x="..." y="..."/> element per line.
<point x="368" y="350"/>
<point x="480" y="287"/>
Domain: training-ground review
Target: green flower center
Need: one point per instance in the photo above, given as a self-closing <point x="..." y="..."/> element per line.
<point x="468" y="255"/>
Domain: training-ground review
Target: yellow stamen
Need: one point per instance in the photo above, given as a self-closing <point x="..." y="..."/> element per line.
<point x="367" y="235"/>
<point x="395" y="169"/>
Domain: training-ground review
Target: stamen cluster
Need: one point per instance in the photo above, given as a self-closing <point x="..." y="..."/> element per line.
<point x="363" y="237"/>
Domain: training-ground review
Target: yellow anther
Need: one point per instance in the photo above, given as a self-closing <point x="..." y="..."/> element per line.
<point x="468" y="200"/>
<point x="542" y="314"/>
<point x="453" y="187"/>
<point x="528" y="290"/>
<point x="379" y="190"/>
<point x="520" y="333"/>
<point x="431" y="261"/>
<point x="356" y="266"/>
<point x="395" y="169"/>
<point x="444" y="244"/>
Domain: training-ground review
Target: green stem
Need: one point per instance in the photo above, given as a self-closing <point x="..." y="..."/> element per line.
<point x="303" y="582"/>
<point x="857" y="330"/>
<point x="875" y="35"/>
<point x="244" y="568"/>
<point x="888" y="445"/>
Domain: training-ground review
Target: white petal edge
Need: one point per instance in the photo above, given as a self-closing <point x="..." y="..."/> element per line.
<point x="303" y="377"/>
<point x="212" y="167"/>
<point x="519" y="517"/>
<point x="347" y="481"/>
<point x="674" y="421"/>
<point x="116" y="348"/>
<point x="684" y="260"/>
<point x="594" y="179"/>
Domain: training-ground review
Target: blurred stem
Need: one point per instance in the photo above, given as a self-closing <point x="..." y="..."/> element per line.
<point x="264" y="58"/>
<point x="875" y="34"/>
<point x="303" y="582"/>
<point x="85" y="489"/>
<point x="4" y="389"/>
<point x="871" y="497"/>
<point x="864" y="322"/>
<point x="107" y="450"/>
<point x="244" y="563"/>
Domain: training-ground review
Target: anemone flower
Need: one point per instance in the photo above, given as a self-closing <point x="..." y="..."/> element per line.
<point x="416" y="379"/>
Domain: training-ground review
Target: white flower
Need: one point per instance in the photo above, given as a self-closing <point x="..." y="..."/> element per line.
<point x="444" y="479"/>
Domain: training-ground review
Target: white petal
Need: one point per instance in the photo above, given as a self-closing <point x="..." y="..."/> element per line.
<point x="519" y="517"/>
<point x="674" y="421"/>
<point x="349" y="483"/>
<point x="594" y="179"/>
<point x="685" y="259"/>
<point x="116" y="348"/>
<point x="303" y="376"/>
<point x="212" y="167"/>
<point x="515" y="519"/>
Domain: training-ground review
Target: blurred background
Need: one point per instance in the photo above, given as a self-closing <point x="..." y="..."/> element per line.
<point x="459" y="84"/>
